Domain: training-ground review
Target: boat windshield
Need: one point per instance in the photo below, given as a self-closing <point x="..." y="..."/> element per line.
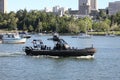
<point x="63" y="41"/>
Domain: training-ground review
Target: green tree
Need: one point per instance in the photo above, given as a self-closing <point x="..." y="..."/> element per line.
<point x="117" y="18"/>
<point x="12" y="21"/>
<point x="39" y="27"/>
<point x="102" y="15"/>
<point x="81" y="25"/>
<point x="115" y="27"/>
<point x="88" y="24"/>
<point x="24" y="27"/>
<point x="95" y="26"/>
<point x="31" y="28"/>
<point x="73" y="28"/>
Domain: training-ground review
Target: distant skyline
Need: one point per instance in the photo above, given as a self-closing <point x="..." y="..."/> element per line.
<point x="15" y="5"/>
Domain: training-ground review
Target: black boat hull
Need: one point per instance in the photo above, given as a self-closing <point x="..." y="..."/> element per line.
<point x="62" y="53"/>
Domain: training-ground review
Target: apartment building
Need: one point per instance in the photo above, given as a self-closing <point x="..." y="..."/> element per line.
<point x="114" y="7"/>
<point x="3" y="6"/>
<point x="86" y="6"/>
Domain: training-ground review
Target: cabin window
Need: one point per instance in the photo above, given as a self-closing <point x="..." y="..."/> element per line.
<point x="8" y="36"/>
<point x="12" y="36"/>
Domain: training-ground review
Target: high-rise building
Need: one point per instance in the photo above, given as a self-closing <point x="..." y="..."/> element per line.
<point x="57" y="10"/>
<point x="3" y="6"/>
<point x="114" y="7"/>
<point x="93" y="5"/>
<point x="86" y="6"/>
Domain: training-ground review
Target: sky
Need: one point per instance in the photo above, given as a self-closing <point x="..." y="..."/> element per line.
<point x="15" y="5"/>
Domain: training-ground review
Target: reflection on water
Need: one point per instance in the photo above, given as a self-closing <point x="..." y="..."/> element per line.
<point x="15" y="65"/>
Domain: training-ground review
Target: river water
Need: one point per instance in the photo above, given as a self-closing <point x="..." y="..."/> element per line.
<point x="15" y="65"/>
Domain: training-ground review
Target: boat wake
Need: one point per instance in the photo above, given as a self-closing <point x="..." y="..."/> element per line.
<point x="43" y="56"/>
<point x="3" y="54"/>
<point x="58" y="57"/>
<point x="85" y="57"/>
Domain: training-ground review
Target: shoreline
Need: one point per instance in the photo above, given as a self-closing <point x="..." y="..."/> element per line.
<point x="5" y="31"/>
<point x="90" y="33"/>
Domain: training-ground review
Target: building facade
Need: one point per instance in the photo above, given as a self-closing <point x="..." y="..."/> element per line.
<point x="3" y="6"/>
<point x="57" y="10"/>
<point x="86" y="6"/>
<point x="93" y="4"/>
<point x="114" y="7"/>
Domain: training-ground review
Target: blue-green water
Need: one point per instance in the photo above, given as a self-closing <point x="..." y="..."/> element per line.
<point x="15" y="65"/>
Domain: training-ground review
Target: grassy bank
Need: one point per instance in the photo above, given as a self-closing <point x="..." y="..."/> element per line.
<point x="91" y="33"/>
<point x="104" y="33"/>
<point x="6" y="31"/>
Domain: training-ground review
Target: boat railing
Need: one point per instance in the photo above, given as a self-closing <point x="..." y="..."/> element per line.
<point x="38" y="44"/>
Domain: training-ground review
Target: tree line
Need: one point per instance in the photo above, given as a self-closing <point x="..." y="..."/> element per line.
<point x="39" y="21"/>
